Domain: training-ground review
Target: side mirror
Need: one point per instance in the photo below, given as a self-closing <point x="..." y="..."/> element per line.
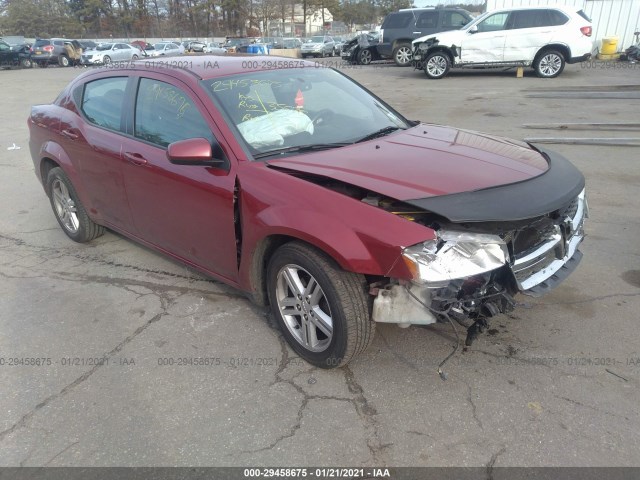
<point x="473" y="29"/>
<point x="194" y="151"/>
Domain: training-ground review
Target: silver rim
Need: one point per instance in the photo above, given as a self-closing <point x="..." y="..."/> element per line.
<point x="365" y="57"/>
<point x="65" y="206"/>
<point x="437" y="66"/>
<point x="404" y="55"/>
<point x="107" y="60"/>
<point x="550" y="64"/>
<point x="304" y="308"/>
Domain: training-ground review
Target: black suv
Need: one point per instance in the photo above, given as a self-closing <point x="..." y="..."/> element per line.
<point x="399" y="29"/>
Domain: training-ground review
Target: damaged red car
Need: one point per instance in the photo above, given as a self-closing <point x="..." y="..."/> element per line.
<point x="298" y="186"/>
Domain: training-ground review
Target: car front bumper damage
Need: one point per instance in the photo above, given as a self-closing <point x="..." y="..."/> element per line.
<point x="539" y="257"/>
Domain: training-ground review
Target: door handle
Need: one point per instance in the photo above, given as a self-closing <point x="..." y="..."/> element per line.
<point x="135" y="158"/>
<point x="70" y="134"/>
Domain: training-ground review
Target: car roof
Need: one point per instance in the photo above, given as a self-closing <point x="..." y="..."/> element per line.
<point x="201" y="67"/>
<point x="564" y="8"/>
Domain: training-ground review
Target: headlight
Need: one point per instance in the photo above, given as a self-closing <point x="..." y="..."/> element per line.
<point x="455" y="255"/>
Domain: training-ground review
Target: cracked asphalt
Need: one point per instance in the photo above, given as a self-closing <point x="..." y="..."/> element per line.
<point x="555" y="383"/>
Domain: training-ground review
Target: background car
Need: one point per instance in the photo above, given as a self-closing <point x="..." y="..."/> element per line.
<point x="106" y="53"/>
<point x="10" y="57"/>
<point x="288" y="43"/>
<point x="195" y="46"/>
<point x="399" y="29"/>
<point x="545" y="38"/>
<point x="87" y="44"/>
<point x="318" y="46"/>
<point x="164" y="49"/>
<point x="215" y="48"/>
<point x="362" y="49"/>
<point x="47" y="51"/>
<point x="180" y="46"/>
<point x="234" y="44"/>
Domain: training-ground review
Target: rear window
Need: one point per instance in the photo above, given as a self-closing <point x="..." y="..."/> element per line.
<point x="427" y="20"/>
<point x="584" y="15"/>
<point x="397" y="20"/>
<point x="557" y="18"/>
<point x="42" y="43"/>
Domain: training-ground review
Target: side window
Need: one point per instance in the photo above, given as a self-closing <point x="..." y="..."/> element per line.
<point x="427" y="20"/>
<point x="493" y="23"/>
<point x="453" y="20"/>
<point x="557" y="18"/>
<point x="397" y="20"/>
<point x="529" y="19"/>
<point x="4" y="47"/>
<point x="102" y="101"/>
<point x="165" y="114"/>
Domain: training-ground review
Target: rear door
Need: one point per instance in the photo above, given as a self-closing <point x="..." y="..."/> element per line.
<point x="186" y="210"/>
<point x="426" y="23"/>
<point x="486" y="45"/>
<point x="528" y="32"/>
<point x="94" y="143"/>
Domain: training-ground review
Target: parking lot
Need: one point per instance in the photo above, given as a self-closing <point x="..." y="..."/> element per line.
<point x="555" y="383"/>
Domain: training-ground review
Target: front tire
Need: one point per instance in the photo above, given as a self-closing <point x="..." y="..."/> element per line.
<point x="437" y="65"/>
<point x="322" y="310"/>
<point x="106" y="60"/>
<point x="549" y="64"/>
<point x="26" y="63"/>
<point x="365" y="57"/>
<point x="402" y="55"/>
<point x="68" y="209"/>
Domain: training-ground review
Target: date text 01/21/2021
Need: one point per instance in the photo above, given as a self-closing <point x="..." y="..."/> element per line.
<point x="327" y="472"/>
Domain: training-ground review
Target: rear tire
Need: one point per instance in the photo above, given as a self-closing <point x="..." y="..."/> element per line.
<point x="402" y="55"/>
<point x="322" y="310"/>
<point x="63" y="61"/>
<point x="68" y="209"/>
<point x="549" y="64"/>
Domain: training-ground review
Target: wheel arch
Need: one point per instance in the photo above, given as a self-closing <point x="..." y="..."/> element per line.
<point x="563" y="49"/>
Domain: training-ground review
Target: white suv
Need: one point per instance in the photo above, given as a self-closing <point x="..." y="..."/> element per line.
<point x="543" y="37"/>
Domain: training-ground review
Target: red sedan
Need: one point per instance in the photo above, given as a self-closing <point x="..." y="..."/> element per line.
<point x="297" y="185"/>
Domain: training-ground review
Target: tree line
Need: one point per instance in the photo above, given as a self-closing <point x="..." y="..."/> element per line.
<point x="174" y="18"/>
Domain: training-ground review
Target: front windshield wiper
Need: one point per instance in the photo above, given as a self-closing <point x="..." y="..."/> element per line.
<point x="299" y="148"/>
<point x="378" y="133"/>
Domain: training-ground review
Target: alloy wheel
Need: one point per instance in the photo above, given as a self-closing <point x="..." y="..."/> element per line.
<point x="304" y="308"/>
<point x="65" y="206"/>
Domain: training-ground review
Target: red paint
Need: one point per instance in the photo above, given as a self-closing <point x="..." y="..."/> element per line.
<point x="187" y="211"/>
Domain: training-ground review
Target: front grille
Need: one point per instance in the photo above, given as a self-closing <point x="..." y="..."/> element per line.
<point x="540" y="251"/>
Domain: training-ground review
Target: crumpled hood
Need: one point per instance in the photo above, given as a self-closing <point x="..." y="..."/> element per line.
<point x="424" y="161"/>
<point x="452" y="37"/>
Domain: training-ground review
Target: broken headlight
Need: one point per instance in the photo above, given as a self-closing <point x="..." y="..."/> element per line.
<point x="452" y="255"/>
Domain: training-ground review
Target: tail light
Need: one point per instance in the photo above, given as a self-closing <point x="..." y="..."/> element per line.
<point x="586" y="31"/>
<point x="31" y="49"/>
<point x="48" y="48"/>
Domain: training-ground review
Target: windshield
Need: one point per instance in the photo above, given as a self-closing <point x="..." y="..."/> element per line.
<point x="316" y="40"/>
<point x="104" y="46"/>
<point x="299" y="107"/>
<point x="159" y="46"/>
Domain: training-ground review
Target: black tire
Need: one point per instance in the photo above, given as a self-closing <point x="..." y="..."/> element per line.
<point x="134" y="58"/>
<point x="549" y="64"/>
<point x="26" y="63"/>
<point x="106" y="59"/>
<point x="437" y="65"/>
<point x="343" y="293"/>
<point x="402" y="55"/>
<point x="43" y="64"/>
<point x="86" y="229"/>
<point x="365" y="56"/>
<point x="63" y="61"/>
